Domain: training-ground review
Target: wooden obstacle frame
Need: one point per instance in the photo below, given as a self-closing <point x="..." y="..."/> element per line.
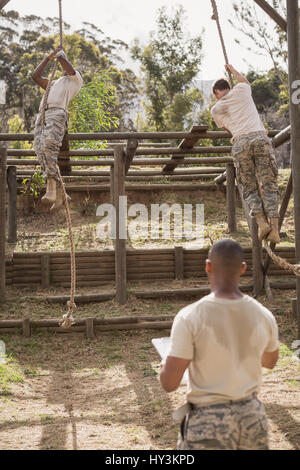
<point x="126" y="155"/>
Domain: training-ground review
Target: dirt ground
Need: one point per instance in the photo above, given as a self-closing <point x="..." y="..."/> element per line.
<point x="67" y="392"/>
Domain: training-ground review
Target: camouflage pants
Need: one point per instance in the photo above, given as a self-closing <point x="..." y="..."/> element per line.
<point x="241" y="425"/>
<point x="255" y="162"/>
<point x="48" y="140"/>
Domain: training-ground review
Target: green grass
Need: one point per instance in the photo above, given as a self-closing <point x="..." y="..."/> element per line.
<point x="9" y="373"/>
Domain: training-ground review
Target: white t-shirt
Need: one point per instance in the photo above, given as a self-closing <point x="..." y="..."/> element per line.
<point x="63" y="90"/>
<point x="225" y="340"/>
<point x="237" y="112"/>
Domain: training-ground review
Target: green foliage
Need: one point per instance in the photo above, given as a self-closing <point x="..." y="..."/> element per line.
<point x="16" y="126"/>
<point x="92" y="109"/>
<point x="25" y="41"/>
<point x="33" y="186"/>
<point x="169" y="64"/>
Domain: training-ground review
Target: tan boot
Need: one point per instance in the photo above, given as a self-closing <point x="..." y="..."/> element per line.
<point x="50" y="195"/>
<point x="274" y="236"/>
<point x="59" y="200"/>
<point x="263" y="226"/>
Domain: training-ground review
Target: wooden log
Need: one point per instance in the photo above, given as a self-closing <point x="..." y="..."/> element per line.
<point x="294" y="78"/>
<point x="294" y="308"/>
<point x="257" y="254"/>
<point x="3" y="158"/>
<point x="221" y="178"/>
<point x="103" y="282"/>
<point x="12" y="203"/>
<point x="120" y="242"/>
<point x="282" y="137"/>
<point x="138" y="161"/>
<point x="193" y="292"/>
<point x="90" y="333"/>
<point x="279" y="20"/>
<point x="179" y="271"/>
<point x="84" y="298"/>
<point x="144" y="187"/>
<point x="100" y="136"/>
<point x="186" y="143"/>
<point x="64" y="161"/>
<point x="231" y="198"/>
<point x="45" y="270"/>
<point x="26" y="328"/>
<point x="131" y="148"/>
<point x="161" y="325"/>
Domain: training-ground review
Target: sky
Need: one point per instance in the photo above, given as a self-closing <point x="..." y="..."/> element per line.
<point x="130" y="19"/>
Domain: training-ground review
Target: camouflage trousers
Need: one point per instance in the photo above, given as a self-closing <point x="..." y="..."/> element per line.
<point x="48" y="140"/>
<point x="255" y="163"/>
<point x="240" y="425"/>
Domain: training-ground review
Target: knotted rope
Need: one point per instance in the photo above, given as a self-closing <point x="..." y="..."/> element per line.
<point x="67" y="319"/>
<point x="284" y="264"/>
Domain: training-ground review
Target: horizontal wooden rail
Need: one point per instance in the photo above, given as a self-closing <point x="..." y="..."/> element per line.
<point x="104" y="136"/>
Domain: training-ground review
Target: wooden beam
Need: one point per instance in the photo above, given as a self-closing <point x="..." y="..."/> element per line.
<point x="272" y="13"/>
<point x="294" y="77"/>
<point x="12" y="203"/>
<point x="257" y="254"/>
<point x="132" y="145"/>
<point x="3" y="157"/>
<point x="282" y="137"/>
<point x="186" y="143"/>
<point x="3" y="3"/>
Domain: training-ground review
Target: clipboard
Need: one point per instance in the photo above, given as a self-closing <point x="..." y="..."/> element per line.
<point x="162" y="346"/>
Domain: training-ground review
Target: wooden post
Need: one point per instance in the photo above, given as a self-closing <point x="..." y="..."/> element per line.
<point x="26" y="328"/>
<point x="179" y="267"/>
<point x="132" y="145"/>
<point x="294" y="78"/>
<point x="12" y="203"/>
<point x="231" y="198"/>
<point x="257" y="254"/>
<point x="45" y="270"/>
<point x="89" y="325"/>
<point x="64" y="162"/>
<point x="3" y="159"/>
<point x="120" y="244"/>
<point x="112" y="190"/>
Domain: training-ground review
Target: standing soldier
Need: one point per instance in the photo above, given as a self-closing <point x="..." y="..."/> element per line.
<point x="48" y="136"/>
<point x="253" y="152"/>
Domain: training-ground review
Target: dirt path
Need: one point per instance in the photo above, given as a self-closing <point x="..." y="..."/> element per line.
<point x="65" y="392"/>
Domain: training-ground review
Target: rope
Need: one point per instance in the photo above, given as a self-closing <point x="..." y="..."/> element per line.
<point x="67" y="319"/>
<point x="216" y="18"/>
<point x="284" y="264"/>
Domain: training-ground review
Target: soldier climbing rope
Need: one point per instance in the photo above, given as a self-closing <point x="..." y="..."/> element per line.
<point x="67" y="320"/>
<point x="295" y="269"/>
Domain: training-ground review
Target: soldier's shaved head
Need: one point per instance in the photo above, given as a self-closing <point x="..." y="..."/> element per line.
<point x="226" y="256"/>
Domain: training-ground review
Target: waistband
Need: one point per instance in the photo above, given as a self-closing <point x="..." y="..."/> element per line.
<point x="54" y="107"/>
<point x="228" y="402"/>
<point x="251" y="134"/>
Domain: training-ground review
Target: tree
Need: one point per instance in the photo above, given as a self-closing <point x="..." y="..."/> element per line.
<point x="268" y="37"/>
<point x="169" y="64"/>
<point x="93" y="109"/>
<point x="25" y="41"/>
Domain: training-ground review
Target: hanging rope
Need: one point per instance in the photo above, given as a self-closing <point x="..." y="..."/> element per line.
<point x="216" y="18"/>
<point x="67" y="319"/>
<point x="284" y="264"/>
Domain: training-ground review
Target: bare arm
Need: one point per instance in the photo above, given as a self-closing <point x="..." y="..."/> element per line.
<point x="66" y="65"/>
<point x="172" y="372"/>
<point x="269" y="359"/>
<point x="238" y="76"/>
<point x="37" y="74"/>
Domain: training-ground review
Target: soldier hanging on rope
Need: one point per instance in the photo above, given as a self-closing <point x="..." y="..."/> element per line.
<point x="253" y="152"/>
<point x="48" y="135"/>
